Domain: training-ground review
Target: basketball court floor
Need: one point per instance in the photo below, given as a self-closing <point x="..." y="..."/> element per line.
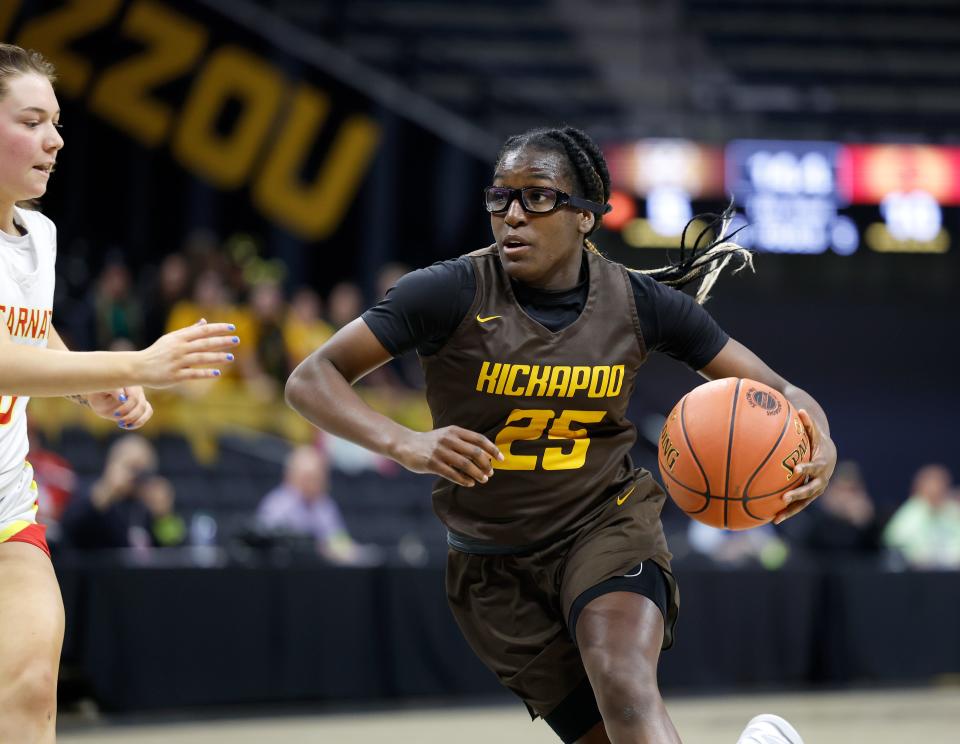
<point x="913" y="716"/>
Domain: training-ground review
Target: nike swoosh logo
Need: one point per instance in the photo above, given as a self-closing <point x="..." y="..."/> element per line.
<point x="621" y="499"/>
<point x="490" y="317"/>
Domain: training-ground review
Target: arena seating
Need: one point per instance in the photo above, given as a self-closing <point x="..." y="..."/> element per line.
<point x="696" y="68"/>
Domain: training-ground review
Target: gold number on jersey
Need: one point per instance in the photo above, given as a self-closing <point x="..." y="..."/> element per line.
<point x="7" y="403"/>
<point x="522" y="423"/>
<point x="570" y="427"/>
<point x="527" y="424"/>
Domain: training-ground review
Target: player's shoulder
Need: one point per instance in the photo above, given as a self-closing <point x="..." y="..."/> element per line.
<point x="34" y="219"/>
<point x="450" y="275"/>
<point x="644" y="282"/>
<point x="649" y="290"/>
<point x="459" y="266"/>
<point x="38" y="224"/>
<point x="490" y="250"/>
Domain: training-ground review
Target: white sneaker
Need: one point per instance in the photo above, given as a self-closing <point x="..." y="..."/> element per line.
<point x="769" y="729"/>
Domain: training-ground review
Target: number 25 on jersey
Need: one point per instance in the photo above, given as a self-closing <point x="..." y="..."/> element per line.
<point x="530" y="423"/>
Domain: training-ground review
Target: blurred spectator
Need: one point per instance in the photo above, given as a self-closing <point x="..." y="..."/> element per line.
<point x="388" y="276"/>
<point x="172" y="285"/>
<point x="926" y="528"/>
<point x="760" y="545"/>
<point x="167" y="528"/>
<point x="56" y="481"/>
<point x="305" y="329"/>
<point x="209" y="300"/>
<point x="127" y="506"/>
<point x="842" y="521"/>
<point x="302" y="504"/>
<point x="344" y="303"/>
<point x="117" y="311"/>
<point x="268" y="311"/>
<point x="212" y="300"/>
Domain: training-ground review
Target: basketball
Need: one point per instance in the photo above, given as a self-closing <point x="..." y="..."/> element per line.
<point x="728" y="451"/>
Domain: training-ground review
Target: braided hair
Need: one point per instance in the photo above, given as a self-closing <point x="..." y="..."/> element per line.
<point x="591" y="178"/>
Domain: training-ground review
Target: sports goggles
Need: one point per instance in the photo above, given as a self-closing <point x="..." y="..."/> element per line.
<point x="537" y="199"/>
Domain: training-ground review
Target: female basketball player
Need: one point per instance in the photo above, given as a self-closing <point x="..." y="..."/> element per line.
<point x="34" y="361"/>
<point x="558" y="571"/>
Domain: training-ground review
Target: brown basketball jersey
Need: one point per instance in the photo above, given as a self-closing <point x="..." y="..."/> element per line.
<point x="554" y="403"/>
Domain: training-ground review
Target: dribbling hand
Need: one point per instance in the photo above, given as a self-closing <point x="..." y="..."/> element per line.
<point x="816" y="473"/>
<point x="192" y="353"/>
<point x="459" y="455"/>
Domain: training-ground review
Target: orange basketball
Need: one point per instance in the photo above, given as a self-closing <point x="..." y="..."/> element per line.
<point x="728" y="450"/>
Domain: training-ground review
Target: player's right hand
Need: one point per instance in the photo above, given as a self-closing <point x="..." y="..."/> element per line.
<point x="193" y="353"/>
<point x="457" y="454"/>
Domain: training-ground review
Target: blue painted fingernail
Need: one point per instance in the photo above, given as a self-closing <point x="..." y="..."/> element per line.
<point x="229" y="357"/>
<point x="122" y="425"/>
<point x="236" y="340"/>
<point x="216" y="373"/>
<point x="231" y="327"/>
<point x="117" y="414"/>
<point x="123" y="398"/>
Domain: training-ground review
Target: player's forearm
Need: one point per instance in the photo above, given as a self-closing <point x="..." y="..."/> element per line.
<point x="318" y="392"/>
<point x="28" y="370"/>
<point x="800" y="398"/>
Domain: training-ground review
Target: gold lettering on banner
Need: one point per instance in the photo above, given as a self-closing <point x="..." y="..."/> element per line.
<point x="314" y="208"/>
<point x="232" y="73"/>
<point x="8" y="11"/>
<point x="173" y="45"/>
<point x="51" y="34"/>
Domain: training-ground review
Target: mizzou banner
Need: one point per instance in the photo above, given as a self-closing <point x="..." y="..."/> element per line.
<point x="185" y="114"/>
<point x="184" y="82"/>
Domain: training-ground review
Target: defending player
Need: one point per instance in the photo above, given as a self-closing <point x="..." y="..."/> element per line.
<point x="34" y="361"/>
<point x="558" y="571"/>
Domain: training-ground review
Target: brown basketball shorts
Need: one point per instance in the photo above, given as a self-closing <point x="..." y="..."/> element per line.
<point x="513" y="609"/>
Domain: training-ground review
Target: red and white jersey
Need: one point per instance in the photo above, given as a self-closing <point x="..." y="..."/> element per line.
<point x="26" y="309"/>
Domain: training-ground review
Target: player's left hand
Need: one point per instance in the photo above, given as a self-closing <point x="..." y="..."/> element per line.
<point x="814" y="474"/>
<point x="128" y="407"/>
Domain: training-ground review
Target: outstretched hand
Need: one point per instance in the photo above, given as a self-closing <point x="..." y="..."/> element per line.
<point x="814" y="474"/>
<point x="127" y="406"/>
<point x="192" y="353"/>
<point x="454" y="453"/>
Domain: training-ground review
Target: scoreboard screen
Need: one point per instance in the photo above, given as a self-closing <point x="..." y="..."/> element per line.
<point x="794" y="197"/>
